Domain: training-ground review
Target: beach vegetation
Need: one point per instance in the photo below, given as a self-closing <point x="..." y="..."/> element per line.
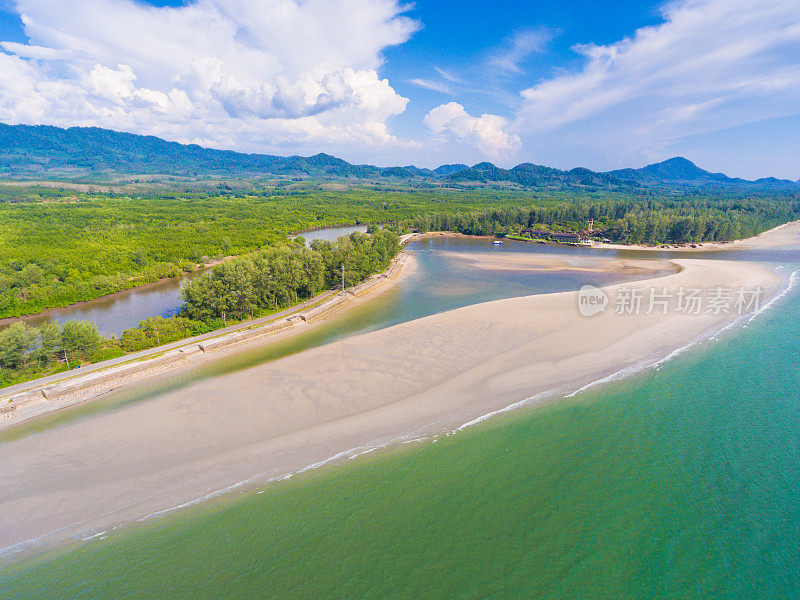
<point x="628" y="221"/>
<point x="28" y="352"/>
<point x="276" y="277"/>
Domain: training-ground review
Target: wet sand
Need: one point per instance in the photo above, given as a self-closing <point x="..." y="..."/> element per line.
<point x="418" y="378"/>
<point x="566" y="262"/>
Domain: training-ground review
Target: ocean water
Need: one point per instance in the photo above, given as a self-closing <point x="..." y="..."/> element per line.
<point x="681" y="482"/>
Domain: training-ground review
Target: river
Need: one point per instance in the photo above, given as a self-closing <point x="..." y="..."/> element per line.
<point x="440" y="282"/>
<point x="115" y="313"/>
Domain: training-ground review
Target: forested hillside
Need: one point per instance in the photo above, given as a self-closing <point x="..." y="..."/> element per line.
<point x="94" y="154"/>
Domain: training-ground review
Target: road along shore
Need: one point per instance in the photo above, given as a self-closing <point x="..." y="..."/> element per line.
<point x="38" y="397"/>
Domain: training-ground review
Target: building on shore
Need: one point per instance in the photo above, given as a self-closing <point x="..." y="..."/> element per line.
<point x="564" y="237"/>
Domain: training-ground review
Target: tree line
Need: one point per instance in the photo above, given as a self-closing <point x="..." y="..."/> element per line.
<point x="276" y="277"/>
<point x="34" y="351"/>
<point x="646" y="221"/>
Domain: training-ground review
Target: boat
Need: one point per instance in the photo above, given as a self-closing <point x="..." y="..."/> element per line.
<point x="497" y="243"/>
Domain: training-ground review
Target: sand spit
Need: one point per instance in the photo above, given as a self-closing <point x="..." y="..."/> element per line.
<point x="562" y="262"/>
<point x="417" y="378"/>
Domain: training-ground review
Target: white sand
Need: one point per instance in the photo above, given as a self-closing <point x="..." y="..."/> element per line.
<point x="417" y="378"/>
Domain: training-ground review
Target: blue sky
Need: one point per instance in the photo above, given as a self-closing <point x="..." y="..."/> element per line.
<point x="601" y="85"/>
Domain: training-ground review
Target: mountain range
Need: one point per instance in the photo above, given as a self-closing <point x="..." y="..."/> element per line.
<point x="43" y="151"/>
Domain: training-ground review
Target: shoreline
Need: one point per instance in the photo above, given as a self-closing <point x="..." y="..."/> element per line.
<point x="416" y="379"/>
<point x="793" y="227"/>
<point x="787" y="234"/>
<point x="28" y="400"/>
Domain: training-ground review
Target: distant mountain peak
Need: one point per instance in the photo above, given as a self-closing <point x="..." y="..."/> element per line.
<point x="445" y="170"/>
<point x="676" y="169"/>
<point x="78" y="152"/>
<point x="682" y="171"/>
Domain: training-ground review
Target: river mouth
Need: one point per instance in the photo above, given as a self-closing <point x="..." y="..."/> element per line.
<point x="442" y="281"/>
<point x="122" y="310"/>
<point x="443" y="278"/>
<point x="246" y="421"/>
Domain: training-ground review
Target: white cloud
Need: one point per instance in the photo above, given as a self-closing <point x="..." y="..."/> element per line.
<point x="448" y="75"/>
<point x="252" y="74"/>
<point x="430" y="84"/>
<point x="712" y="64"/>
<point x="487" y="132"/>
<point x="517" y="48"/>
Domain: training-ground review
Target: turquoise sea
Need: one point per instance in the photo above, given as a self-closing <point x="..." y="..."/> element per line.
<point x="680" y="482"/>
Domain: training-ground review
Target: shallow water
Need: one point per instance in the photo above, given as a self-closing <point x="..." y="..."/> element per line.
<point x="118" y="312"/>
<point x="681" y="482"/>
<point x="440" y="282"/>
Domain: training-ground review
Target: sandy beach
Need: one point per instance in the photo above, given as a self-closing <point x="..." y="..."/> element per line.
<point x="61" y="391"/>
<point x="420" y="378"/>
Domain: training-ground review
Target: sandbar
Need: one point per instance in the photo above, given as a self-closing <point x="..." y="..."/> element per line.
<point x="416" y="379"/>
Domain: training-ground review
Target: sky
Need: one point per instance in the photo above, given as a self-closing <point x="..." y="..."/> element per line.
<point x="563" y="83"/>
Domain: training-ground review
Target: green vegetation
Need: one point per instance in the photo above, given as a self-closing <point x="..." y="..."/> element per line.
<point x="251" y="285"/>
<point x="154" y="331"/>
<point x="55" y="253"/>
<point x="275" y="277"/>
<point x="61" y="247"/>
<point x="28" y="352"/>
<point x="631" y="221"/>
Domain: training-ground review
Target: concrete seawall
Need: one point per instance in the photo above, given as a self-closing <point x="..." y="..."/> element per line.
<point x="43" y="398"/>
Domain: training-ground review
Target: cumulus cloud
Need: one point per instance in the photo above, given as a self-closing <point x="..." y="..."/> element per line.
<point x="488" y="133"/>
<point x="712" y="64"/>
<point x="232" y="73"/>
